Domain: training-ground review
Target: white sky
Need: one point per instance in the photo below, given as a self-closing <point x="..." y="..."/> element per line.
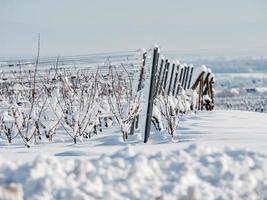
<point x="209" y="27"/>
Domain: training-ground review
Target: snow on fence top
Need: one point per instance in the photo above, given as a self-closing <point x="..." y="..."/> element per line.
<point x="81" y="95"/>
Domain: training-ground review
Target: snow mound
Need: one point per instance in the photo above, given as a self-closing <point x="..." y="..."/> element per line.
<point x="196" y="172"/>
<point x="71" y="153"/>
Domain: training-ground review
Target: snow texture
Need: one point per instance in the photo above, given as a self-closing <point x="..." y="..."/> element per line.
<point x="196" y="172"/>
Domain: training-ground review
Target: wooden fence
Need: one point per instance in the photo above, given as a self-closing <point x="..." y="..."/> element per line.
<point x="169" y="78"/>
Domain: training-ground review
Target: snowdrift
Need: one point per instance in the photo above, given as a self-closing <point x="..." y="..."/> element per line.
<point x="196" y="172"/>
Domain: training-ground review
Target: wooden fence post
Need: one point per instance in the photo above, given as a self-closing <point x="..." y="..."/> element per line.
<point x="190" y="78"/>
<point x="166" y="77"/>
<point x="135" y="121"/>
<point x="201" y="92"/>
<point x="151" y="94"/>
<point x="175" y="84"/>
<point x="162" y="79"/>
<point x="159" y="77"/>
<point x="186" y="78"/>
<point x="181" y="75"/>
<point x="211" y="93"/>
<point x="170" y="83"/>
<point x="183" y="79"/>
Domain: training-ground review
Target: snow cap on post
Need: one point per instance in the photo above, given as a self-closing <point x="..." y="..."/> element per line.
<point x="209" y="70"/>
<point x="203" y="68"/>
<point x="142" y="50"/>
<point x="177" y="62"/>
<point x="157" y="46"/>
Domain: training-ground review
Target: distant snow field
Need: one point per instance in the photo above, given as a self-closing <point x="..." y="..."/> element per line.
<point x="242" y="91"/>
<point x="216" y="155"/>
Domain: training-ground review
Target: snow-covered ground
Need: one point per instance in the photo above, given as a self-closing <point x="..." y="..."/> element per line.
<point x="196" y="172"/>
<point x="242" y="91"/>
<point x="214" y="155"/>
<point x="240" y="129"/>
<point x="218" y="155"/>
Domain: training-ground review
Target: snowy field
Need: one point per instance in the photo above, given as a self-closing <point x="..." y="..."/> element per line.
<point x="239" y="129"/>
<point x="218" y="155"/>
<point x="242" y="91"/>
<point x="133" y="100"/>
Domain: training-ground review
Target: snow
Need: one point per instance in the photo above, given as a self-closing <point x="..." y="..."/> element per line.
<point x="203" y="68"/>
<point x="239" y="129"/>
<point x="218" y="155"/>
<point x="195" y="172"/>
<point x="212" y="155"/>
<point x="261" y="89"/>
<point x="11" y="191"/>
<point x="243" y="91"/>
<point x="142" y="50"/>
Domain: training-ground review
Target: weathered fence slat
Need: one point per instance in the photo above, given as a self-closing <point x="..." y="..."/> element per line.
<point x="190" y="77"/>
<point x="175" y="83"/>
<point x="151" y="94"/>
<point x="170" y="83"/>
<point x="166" y="77"/>
<point x="163" y="75"/>
<point x="159" y="77"/>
